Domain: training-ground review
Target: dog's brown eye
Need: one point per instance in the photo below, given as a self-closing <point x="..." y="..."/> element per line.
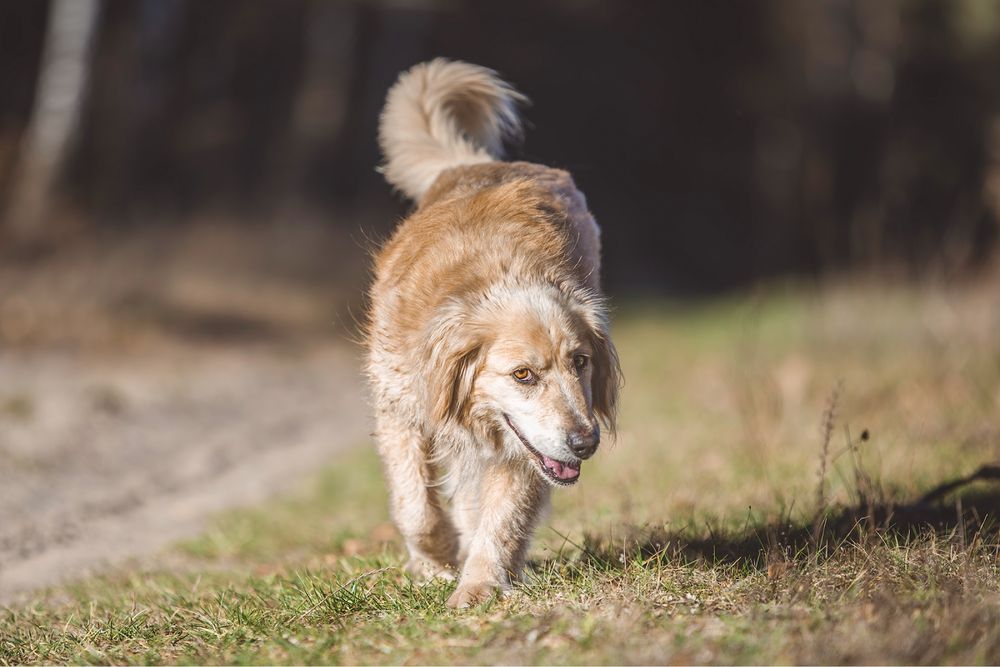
<point x="523" y="375"/>
<point x="581" y="361"/>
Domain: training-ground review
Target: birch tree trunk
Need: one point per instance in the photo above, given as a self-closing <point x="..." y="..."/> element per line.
<point x="59" y="96"/>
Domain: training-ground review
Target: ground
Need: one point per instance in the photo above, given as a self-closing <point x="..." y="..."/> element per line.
<point x="149" y="380"/>
<point x="760" y="504"/>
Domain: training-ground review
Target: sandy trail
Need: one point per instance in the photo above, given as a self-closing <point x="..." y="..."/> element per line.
<point x="107" y="458"/>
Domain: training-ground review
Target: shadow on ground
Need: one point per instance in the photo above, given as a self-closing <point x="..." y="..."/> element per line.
<point x="968" y="517"/>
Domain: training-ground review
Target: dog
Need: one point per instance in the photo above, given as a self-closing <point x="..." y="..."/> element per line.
<point x="488" y="349"/>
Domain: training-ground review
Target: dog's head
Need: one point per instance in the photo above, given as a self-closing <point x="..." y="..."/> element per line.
<point x="531" y="368"/>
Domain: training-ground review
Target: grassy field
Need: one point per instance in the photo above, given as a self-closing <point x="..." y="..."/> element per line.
<point x="759" y="505"/>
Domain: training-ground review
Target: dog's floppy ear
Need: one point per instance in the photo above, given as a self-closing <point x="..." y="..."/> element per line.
<point x="452" y="361"/>
<point x="454" y="381"/>
<point x="606" y="370"/>
<point x="605" y="378"/>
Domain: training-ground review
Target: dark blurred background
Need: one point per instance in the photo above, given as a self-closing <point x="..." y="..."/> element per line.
<point x="718" y="143"/>
<point x="189" y="197"/>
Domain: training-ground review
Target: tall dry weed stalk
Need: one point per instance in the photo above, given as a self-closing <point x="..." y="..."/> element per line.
<point x="826" y="433"/>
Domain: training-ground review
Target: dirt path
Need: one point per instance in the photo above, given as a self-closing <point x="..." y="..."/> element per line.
<point x="108" y="458"/>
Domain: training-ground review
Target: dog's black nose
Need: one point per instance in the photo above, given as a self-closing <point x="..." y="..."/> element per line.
<point x="583" y="442"/>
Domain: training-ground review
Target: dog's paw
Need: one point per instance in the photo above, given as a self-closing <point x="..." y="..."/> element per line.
<point x="472" y="594"/>
<point x="424" y="570"/>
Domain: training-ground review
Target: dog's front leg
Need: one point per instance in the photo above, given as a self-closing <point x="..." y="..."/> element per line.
<point x="414" y="501"/>
<point x="512" y="497"/>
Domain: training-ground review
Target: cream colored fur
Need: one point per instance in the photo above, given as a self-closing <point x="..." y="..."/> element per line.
<point x="488" y="349"/>
<point x="443" y="114"/>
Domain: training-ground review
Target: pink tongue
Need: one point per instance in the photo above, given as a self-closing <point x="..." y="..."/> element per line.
<point x="561" y="470"/>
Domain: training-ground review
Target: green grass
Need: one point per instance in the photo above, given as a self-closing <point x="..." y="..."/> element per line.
<point x="696" y="537"/>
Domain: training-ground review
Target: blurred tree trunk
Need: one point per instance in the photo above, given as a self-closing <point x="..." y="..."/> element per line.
<point x="321" y="101"/>
<point x="60" y="93"/>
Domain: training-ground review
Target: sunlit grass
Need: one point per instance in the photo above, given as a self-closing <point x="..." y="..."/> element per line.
<point x="690" y="539"/>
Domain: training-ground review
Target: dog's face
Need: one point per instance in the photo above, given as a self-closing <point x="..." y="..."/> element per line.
<point x="535" y="381"/>
<point x="541" y="375"/>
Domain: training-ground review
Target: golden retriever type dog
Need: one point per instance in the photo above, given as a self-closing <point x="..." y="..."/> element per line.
<point x="487" y="336"/>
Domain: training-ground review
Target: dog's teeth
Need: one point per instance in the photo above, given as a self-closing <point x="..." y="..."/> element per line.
<point x="554" y="466"/>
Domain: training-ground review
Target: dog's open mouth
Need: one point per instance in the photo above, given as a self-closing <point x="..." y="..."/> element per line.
<point x="558" y="472"/>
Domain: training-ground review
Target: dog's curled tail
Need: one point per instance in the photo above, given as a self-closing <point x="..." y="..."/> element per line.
<point x="442" y="114"/>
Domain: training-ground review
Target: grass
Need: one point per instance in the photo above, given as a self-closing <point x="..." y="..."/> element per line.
<point x="700" y="536"/>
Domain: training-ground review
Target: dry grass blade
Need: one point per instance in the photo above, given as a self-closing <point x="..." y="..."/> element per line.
<point x="347" y="584"/>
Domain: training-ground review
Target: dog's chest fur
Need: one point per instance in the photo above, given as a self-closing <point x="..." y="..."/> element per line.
<point x="479" y="226"/>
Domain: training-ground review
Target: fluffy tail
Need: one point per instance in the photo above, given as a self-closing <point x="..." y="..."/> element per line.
<point x="442" y="114"/>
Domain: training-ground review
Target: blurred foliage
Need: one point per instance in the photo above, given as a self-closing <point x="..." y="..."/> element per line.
<point x="718" y="142"/>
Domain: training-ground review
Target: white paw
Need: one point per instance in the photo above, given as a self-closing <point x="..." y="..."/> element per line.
<point x="469" y="594"/>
